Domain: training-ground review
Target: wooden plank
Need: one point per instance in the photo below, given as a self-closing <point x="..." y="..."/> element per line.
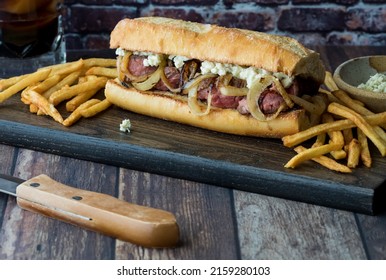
<point x="273" y="228"/>
<point x="6" y="165"/>
<point x="204" y="214"/>
<point x="7" y="156"/>
<point x="26" y="235"/>
<point x="373" y="231"/>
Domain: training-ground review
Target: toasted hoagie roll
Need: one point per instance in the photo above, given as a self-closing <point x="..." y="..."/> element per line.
<point x="223" y="79"/>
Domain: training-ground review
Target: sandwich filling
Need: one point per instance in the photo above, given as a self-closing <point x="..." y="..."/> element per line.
<point x="206" y="84"/>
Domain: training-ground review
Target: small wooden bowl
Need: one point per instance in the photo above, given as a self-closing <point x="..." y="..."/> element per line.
<point x="355" y="71"/>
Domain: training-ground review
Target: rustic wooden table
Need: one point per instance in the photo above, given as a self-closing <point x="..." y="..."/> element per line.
<point x="215" y="222"/>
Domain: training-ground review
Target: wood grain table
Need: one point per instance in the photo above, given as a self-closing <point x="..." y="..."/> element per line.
<point x="216" y="221"/>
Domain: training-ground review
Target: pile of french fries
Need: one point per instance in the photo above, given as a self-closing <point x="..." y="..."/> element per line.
<point x="75" y="83"/>
<point x="341" y="129"/>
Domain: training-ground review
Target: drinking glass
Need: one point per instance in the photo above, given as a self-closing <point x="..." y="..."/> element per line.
<point x="31" y="35"/>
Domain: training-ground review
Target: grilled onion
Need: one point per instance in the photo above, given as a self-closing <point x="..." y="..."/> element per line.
<point x="189" y="71"/>
<point x="121" y="75"/>
<point x="196" y="81"/>
<point x="233" y="91"/>
<point x="282" y="92"/>
<point x="257" y="89"/>
<point x="150" y="82"/>
<point x="253" y="96"/>
<point x="194" y="103"/>
<point x="167" y="83"/>
<point x="153" y="78"/>
<point x="124" y="68"/>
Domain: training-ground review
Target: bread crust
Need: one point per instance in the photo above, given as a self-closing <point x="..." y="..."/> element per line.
<point x="218" y="44"/>
<point x="170" y="107"/>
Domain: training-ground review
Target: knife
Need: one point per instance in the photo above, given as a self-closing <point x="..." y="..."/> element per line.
<point x="145" y="226"/>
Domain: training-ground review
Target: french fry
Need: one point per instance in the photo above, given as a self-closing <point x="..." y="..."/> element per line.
<point x="361" y="123"/>
<point x="68" y="80"/>
<point x="25" y="99"/>
<point x="359" y="108"/>
<point x="314" y="119"/>
<point x="34" y="109"/>
<point x="47" y="84"/>
<point x="326" y="162"/>
<point x="347" y="135"/>
<point x="23" y="83"/>
<point x="75" y="66"/>
<point x="329" y="82"/>
<point x="330" y="96"/>
<point x="310" y="154"/>
<point x="58" y="67"/>
<point x="335" y="137"/>
<point x="307" y="105"/>
<point x="320" y="102"/>
<point x="68" y="92"/>
<point x="101" y="62"/>
<point x="320" y="140"/>
<point x="353" y="154"/>
<point x="365" y="152"/>
<point x="64" y="68"/>
<point x="6" y="83"/>
<point x="78" y="100"/>
<point x="339" y="154"/>
<point x="95" y="109"/>
<point x="42" y="103"/>
<point x="103" y="71"/>
<point x="297" y="138"/>
<point x="351" y="103"/>
<point x="76" y="115"/>
<point x="89" y="78"/>
<point x="82" y="79"/>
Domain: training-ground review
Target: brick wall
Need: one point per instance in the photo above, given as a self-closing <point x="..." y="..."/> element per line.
<point x="88" y="23"/>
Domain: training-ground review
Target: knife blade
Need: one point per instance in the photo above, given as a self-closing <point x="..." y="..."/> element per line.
<point x="141" y="225"/>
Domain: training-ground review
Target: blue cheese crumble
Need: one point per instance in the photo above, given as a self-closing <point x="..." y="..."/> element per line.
<point x="125" y="126"/>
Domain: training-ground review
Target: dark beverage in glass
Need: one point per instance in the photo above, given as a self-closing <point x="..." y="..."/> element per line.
<point x="29" y="28"/>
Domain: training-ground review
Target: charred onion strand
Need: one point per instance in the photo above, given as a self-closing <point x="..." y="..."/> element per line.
<point x="121" y="74"/>
<point x="253" y="96"/>
<point x="150" y="82"/>
<point x="281" y="108"/>
<point x="233" y="91"/>
<point x="153" y="79"/>
<point x="282" y="92"/>
<point x="125" y="69"/>
<point x="167" y="83"/>
<point x="194" y="103"/>
<point x="189" y="71"/>
<point x="196" y="81"/>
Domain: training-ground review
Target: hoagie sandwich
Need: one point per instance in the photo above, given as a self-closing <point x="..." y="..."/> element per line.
<point x="223" y="79"/>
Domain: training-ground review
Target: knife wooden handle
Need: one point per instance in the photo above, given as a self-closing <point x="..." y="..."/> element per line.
<point x="137" y="224"/>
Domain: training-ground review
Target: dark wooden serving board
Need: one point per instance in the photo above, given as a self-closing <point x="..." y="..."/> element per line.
<point x="244" y="163"/>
